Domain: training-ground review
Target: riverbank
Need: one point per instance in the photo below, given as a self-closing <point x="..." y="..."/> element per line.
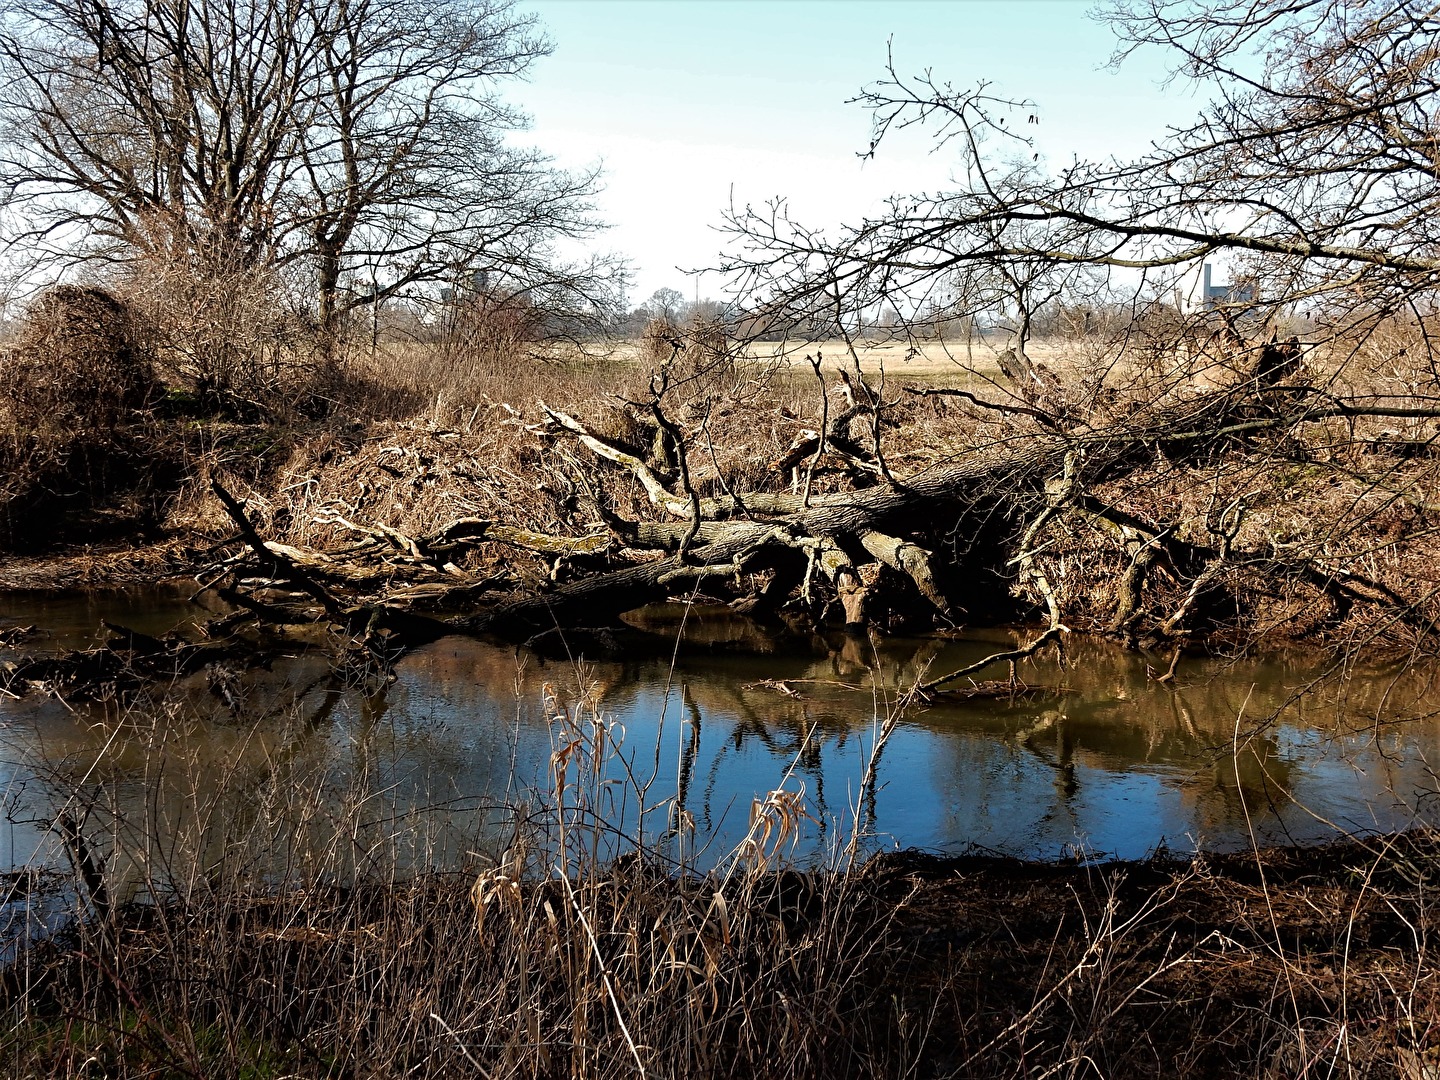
<point x="254" y="959"/>
<point x="1214" y="513"/>
<point x="1292" y="962"/>
<point x="105" y="566"/>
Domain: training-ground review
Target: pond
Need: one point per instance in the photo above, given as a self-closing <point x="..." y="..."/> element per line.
<point x="1095" y="758"/>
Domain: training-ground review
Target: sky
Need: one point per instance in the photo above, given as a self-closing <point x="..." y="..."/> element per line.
<point x="690" y="104"/>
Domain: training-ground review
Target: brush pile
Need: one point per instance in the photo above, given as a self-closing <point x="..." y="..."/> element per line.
<point x="1171" y="512"/>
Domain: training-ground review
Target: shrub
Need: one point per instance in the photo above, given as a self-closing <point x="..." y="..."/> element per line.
<point x="82" y="361"/>
<point x="226" y="334"/>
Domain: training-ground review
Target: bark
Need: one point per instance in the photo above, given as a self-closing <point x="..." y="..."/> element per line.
<point x="910" y="559"/>
<point x="361" y="620"/>
<point x="595" y="600"/>
<point x="936" y="498"/>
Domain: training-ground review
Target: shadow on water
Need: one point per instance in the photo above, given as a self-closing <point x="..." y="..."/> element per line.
<point x="1096" y="757"/>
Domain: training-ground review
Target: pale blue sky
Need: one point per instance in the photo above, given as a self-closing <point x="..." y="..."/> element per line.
<point x="687" y="100"/>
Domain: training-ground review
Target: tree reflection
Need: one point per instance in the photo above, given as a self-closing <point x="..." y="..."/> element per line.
<point x="1094" y="749"/>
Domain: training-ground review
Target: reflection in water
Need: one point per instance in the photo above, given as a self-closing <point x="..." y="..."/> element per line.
<point x="1104" y="758"/>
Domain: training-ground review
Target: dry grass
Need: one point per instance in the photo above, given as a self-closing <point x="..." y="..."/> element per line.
<point x="1335" y="520"/>
<point x="1343" y="496"/>
<point x="928" y="361"/>
<point x="482" y="448"/>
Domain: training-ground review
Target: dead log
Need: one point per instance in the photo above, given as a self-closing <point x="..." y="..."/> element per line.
<point x="281" y="562"/>
<point x="936" y="498"/>
<point x="125" y="664"/>
<point x="1035" y="478"/>
<point x="11" y="636"/>
<point x="403" y="629"/>
<point x="597" y="598"/>
<point x="910" y="559"/>
<point x="478" y="530"/>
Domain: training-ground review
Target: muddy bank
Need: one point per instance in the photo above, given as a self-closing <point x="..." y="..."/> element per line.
<point x="102" y="566"/>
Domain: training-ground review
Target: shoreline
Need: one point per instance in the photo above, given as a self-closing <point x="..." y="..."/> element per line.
<point x="101" y="566"/>
<point x="1260" y="963"/>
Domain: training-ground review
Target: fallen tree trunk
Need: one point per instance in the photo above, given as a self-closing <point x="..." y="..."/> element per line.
<point x="595" y="600"/>
<point x="989" y="509"/>
<point x="938" y="498"/>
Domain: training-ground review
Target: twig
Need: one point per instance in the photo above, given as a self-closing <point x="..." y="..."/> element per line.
<point x="815" y="363"/>
<point x="461" y="1045"/>
<point x="945" y="391"/>
<point x="1051" y="634"/>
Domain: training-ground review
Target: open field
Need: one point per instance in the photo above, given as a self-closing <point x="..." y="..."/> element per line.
<point x="935" y="362"/>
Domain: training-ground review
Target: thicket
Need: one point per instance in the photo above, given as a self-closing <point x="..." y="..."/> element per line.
<point x="81" y="361"/>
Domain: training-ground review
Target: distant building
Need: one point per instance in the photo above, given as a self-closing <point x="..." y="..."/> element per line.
<point x="1213" y="296"/>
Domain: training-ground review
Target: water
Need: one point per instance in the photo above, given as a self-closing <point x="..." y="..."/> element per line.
<point x="72" y="620"/>
<point x="1102" y="760"/>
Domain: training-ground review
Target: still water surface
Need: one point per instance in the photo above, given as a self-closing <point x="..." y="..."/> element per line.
<point x="1113" y="763"/>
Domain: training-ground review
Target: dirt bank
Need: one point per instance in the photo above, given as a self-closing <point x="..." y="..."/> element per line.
<point x="101" y="566"/>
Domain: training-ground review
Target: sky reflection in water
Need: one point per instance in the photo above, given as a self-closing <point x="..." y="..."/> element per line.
<point x="1115" y="765"/>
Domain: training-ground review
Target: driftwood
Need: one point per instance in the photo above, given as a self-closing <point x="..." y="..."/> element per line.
<point x="279" y="586"/>
<point x="11" y="636"/>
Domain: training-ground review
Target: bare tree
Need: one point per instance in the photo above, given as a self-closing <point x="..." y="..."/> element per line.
<point x="1313" y="169"/>
<point x="665" y="304"/>
<point x="155" y="127"/>
<point x="1316" y="161"/>
<point x="1128" y="491"/>
<point x="363" y="141"/>
<point x="408" y="178"/>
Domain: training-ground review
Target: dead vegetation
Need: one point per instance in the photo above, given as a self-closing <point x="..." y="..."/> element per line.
<point x="1170" y="478"/>
<point x="554" y="494"/>
<point x="1305" y="963"/>
<point x="1101" y="497"/>
<point x="81" y="362"/>
<point x="1221" y="489"/>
